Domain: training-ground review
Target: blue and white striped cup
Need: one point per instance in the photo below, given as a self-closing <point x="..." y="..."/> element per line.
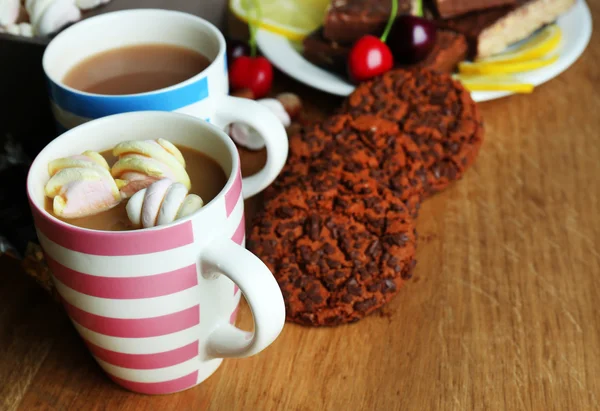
<point x="204" y="96"/>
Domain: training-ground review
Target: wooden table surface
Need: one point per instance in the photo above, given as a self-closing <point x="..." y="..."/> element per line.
<point x="502" y="313"/>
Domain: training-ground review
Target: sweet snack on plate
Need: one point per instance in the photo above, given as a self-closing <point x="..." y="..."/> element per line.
<point x="328" y="54"/>
<point x="449" y="49"/>
<point x="348" y="20"/>
<point x="339" y="244"/>
<point x="365" y="143"/>
<point x="163" y="202"/>
<point x="452" y="8"/>
<point x="434" y="110"/>
<point x="81" y="185"/>
<point x="490" y="31"/>
<point x="141" y="163"/>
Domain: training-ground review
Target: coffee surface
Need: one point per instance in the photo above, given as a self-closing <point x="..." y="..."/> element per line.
<point x="135" y="69"/>
<point x="206" y="175"/>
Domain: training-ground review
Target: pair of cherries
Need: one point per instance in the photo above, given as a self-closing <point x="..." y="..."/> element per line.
<point x="409" y="40"/>
<point x="247" y="72"/>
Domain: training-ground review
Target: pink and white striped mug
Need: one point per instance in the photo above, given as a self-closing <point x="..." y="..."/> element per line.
<point x="157" y="306"/>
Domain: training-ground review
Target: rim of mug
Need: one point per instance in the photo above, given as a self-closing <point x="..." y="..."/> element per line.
<point x="235" y="167"/>
<point x="118" y="14"/>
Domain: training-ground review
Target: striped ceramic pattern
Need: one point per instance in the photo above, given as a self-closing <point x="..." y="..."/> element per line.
<point x="143" y="325"/>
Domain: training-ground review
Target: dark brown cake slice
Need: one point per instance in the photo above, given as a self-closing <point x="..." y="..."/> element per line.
<point x="330" y="55"/>
<point x="348" y="20"/>
<point x="452" y="8"/>
<point x="450" y="49"/>
<point x="491" y="31"/>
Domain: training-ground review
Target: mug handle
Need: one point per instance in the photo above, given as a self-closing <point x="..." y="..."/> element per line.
<point x="240" y="110"/>
<point x="261" y="291"/>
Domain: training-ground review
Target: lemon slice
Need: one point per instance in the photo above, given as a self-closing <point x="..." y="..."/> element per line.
<point x="493" y="82"/>
<point x="466" y="67"/>
<point x="538" y="46"/>
<point x="293" y="19"/>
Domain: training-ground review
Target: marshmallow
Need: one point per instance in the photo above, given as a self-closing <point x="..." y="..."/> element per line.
<point x="25" y="30"/>
<point x="81" y="186"/>
<point x="247" y="136"/>
<point x="49" y="16"/>
<point x="9" y="12"/>
<point x="278" y="109"/>
<point x="163" y="202"/>
<point x="21" y="29"/>
<point x="142" y="163"/>
<point x="90" y="4"/>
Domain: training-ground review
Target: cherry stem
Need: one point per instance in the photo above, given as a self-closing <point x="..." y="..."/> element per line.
<point x="253" y="23"/>
<point x="419" y="8"/>
<point x="390" y="22"/>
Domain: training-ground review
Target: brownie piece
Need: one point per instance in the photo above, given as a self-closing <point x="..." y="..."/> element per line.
<point x="436" y="112"/>
<point x="450" y="49"/>
<point x="330" y="55"/>
<point x="489" y="32"/>
<point x="348" y="20"/>
<point x="340" y="245"/>
<point x="355" y="144"/>
<point x="452" y="8"/>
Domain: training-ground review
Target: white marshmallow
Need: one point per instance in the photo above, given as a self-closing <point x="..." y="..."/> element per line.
<point x="248" y="137"/>
<point x="26" y="30"/>
<point x="163" y="202"/>
<point x="81" y="185"/>
<point x="13" y="29"/>
<point x="134" y="207"/>
<point x="191" y="204"/>
<point x="171" y="204"/>
<point x="90" y="4"/>
<point x="278" y="109"/>
<point x="49" y="16"/>
<point x="153" y="200"/>
<point x="21" y="29"/>
<point x="9" y="12"/>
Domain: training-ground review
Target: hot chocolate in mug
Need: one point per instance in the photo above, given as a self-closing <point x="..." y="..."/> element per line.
<point x="157" y="306"/>
<point x="204" y="95"/>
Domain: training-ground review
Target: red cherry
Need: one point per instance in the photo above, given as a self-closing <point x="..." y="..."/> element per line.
<point x="255" y="73"/>
<point x="369" y="57"/>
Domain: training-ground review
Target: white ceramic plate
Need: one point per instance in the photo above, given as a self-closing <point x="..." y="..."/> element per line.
<point x="576" y="26"/>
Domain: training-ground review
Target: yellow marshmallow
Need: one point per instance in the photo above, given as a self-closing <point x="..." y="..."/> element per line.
<point x="69" y="175"/>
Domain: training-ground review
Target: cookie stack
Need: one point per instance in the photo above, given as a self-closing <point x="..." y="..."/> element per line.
<point x="338" y="225"/>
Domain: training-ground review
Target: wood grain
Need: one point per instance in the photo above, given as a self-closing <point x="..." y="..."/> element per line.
<point x="502" y="312"/>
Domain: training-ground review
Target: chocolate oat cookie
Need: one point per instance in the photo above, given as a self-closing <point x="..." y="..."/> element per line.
<point x="340" y="246"/>
<point x="434" y="110"/>
<point x="353" y="144"/>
